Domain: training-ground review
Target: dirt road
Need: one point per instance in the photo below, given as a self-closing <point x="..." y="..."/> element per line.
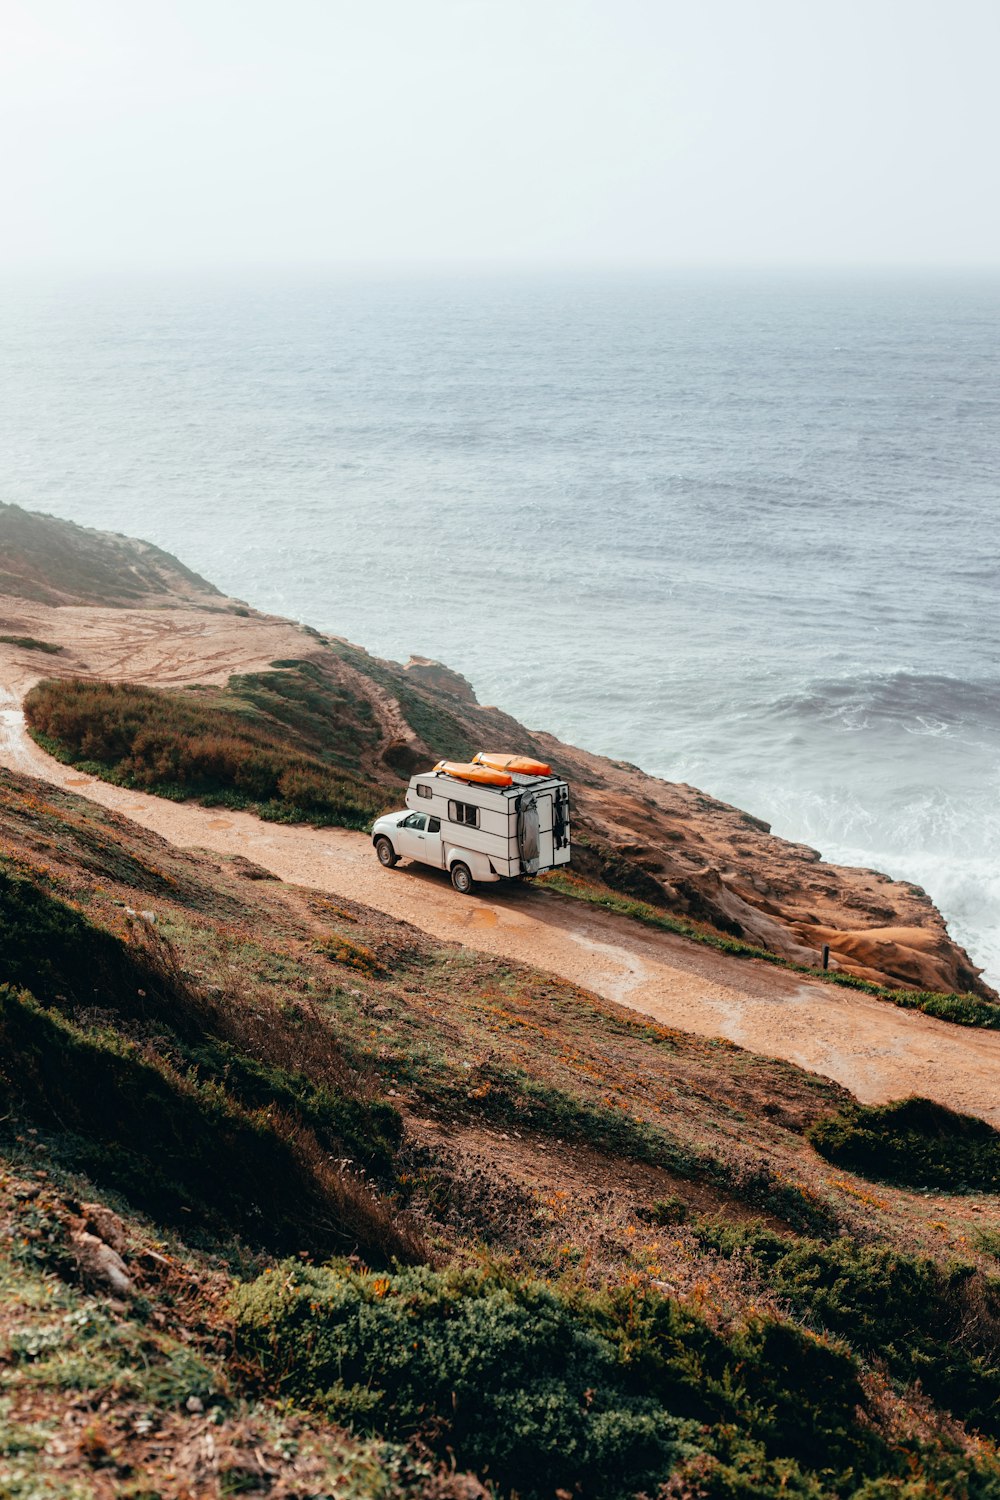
<point x="874" y="1049"/>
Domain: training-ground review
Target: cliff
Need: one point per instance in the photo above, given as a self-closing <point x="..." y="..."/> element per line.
<point x="665" y="844"/>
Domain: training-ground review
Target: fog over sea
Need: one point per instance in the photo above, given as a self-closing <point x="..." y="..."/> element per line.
<point x="743" y="531"/>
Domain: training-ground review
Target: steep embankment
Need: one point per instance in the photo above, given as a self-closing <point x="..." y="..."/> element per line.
<point x="213" y="1069"/>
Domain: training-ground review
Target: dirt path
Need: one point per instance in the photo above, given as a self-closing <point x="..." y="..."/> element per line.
<point x="872" y="1048"/>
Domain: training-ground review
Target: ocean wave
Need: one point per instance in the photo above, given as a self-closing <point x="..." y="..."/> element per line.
<point x="925" y="703"/>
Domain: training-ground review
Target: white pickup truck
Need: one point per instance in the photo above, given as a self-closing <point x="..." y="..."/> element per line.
<point x="494" y="818"/>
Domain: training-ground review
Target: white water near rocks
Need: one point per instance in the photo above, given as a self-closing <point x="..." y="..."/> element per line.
<point x="741" y="531"/>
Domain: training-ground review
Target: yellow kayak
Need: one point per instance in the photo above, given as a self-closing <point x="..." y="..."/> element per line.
<point x="521" y="765"/>
<point x="482" y="775"/>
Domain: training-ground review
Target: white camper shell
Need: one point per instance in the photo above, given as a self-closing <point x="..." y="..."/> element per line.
<point x="479" y="832"/>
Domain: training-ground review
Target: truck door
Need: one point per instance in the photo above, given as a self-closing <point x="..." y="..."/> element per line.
<point x="546" y="846"/>
<point x="411" y="835"/>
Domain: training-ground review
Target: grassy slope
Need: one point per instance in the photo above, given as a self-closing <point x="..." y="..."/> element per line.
<point x="285" y="744"/>
<point x="609" y="1171"/>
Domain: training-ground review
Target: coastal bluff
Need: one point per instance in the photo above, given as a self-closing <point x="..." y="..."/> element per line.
<point x="82" y="604"/>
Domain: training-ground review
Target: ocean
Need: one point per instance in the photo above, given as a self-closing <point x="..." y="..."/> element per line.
<point x="740" y="530"/>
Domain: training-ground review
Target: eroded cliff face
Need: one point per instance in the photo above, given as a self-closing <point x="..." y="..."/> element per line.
<point x="123" y="610"/>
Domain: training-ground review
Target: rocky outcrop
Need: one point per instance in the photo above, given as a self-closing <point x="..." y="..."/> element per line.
<point x="97" y="1242"/>
<point x="439" y="678"/>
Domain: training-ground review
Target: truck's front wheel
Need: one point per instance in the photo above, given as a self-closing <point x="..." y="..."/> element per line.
<point x="461" y="878"/>
<point x="386" y="853"/>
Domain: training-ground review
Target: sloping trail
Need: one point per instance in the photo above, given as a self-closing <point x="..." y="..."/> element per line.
<point x="869" y="1046"/>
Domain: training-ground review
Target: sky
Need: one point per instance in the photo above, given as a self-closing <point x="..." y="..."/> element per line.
<point x="395" y="133"/>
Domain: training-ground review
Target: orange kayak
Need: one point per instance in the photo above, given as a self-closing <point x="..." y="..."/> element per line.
<point x="482" y="775"/>
<point x="521" y="765"/>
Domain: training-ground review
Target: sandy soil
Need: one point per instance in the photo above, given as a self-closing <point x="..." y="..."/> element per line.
<point x="874" y="1049"/>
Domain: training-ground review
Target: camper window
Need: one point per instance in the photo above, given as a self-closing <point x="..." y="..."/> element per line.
<point x="423" y="791"/>
<point x="464" y="812"/>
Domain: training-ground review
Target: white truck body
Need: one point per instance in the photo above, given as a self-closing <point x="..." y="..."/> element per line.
<point x="496" y="832"/>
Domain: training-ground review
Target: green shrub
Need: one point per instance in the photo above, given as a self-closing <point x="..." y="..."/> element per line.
<point x="501" y="1374"/>
<point x="665" y="1211"/>
<point x="186" y="744"/>
<point x="29" y="643"/>
<point x="913" y="1143"/>
<point x="987" y="1242"/>
<point x="938" y="1325"/>
<point x="599" y="1394"/>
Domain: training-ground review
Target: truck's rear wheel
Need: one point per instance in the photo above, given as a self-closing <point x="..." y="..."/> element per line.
<point x="461" y="878"/>
<point x="386" y="853"/>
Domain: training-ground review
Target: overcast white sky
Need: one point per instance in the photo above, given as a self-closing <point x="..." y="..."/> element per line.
<point x="189" y="133"/>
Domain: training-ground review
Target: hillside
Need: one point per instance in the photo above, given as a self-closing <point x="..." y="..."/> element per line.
<point x="300" y="1198"/>
<point x="214" y="1071"/>
<point x="372" y="722"/>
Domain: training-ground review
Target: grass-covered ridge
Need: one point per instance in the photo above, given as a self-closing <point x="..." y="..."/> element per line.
<point x="173" y="1098"/>
<point x="963" y="1010"/>
<point x="271" y="743"/>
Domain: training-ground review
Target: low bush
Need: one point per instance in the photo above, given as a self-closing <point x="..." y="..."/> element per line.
<point x="936" y="1325"/>
<point x="912" y="1143"/>
<point x="341" y="950"/>
<point x="182" y="744"/>
<point x="29" y="643"/>
<point x="538" y="1391"/>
